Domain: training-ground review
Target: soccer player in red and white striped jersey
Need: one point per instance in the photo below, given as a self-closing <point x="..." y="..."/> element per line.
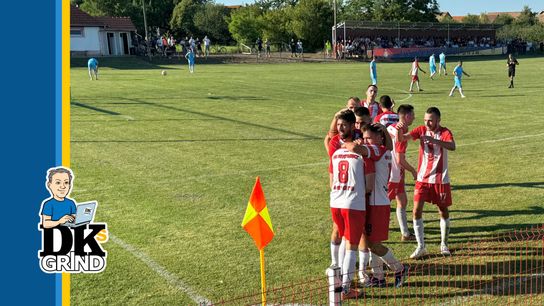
<point x="413" y="73"/>
<point x="378" y="210"/>
<point x="396" y="187"/>
<point x="352" y="103"/>
<point x="370" y="101"/>
<point x="433" y="181"/>
<point x="388" y="116"/>
<point x="347" y="196"/>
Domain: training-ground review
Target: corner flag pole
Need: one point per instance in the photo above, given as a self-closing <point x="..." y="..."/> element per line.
<point x="263" y="279"/>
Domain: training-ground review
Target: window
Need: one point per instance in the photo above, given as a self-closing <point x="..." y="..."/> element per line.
<point x="76" y="32"/>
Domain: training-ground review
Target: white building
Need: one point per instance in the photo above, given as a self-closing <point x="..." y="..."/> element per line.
<point x="99" y="35"/>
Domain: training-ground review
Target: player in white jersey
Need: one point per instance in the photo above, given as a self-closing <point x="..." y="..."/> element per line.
<point x="378" y="211"/>
<point x="388" y="116"/>
<point x="399" y="164"/>
<point x="347" y="197"/>
<point x="413" y="73"/>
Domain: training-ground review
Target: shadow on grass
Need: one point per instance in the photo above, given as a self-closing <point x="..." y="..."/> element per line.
<point x="499" y="185"/>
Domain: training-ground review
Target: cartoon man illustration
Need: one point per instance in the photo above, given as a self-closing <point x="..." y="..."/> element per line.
<point x="58" y="209"/>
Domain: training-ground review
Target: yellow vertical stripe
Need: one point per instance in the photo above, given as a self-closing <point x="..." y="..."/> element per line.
<point x="65" y="94"/>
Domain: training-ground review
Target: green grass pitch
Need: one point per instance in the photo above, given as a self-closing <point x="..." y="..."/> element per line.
<point x="172" y="160"/>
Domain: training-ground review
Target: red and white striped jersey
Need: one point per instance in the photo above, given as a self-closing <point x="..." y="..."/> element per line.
<point x="387" y="118"/>
<point x="373" y="108"/>
<point x="415" y="68"/>
<point x="348" y="184"/>
<point x="397" y="172"/>
<point x="433" y="159"/>
<point x="381" y="157"/>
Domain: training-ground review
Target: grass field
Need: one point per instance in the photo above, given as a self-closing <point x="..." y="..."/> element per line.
<point x="172" y="160"/>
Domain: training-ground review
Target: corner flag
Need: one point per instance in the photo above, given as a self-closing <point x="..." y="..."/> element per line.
<point x="257" y="220"/>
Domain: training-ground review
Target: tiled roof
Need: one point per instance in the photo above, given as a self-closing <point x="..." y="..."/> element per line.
<point x="79" y="18"/>
<point x="117" y="23"/>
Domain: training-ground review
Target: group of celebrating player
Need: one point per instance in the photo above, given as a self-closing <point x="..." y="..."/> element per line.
<point x="367" y="143"/>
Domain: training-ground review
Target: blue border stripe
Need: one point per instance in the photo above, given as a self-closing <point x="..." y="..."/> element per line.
<point x="58" y="116"/>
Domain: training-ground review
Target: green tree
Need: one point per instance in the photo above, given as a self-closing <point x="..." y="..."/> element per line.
<point x="406" y="10"/>
<point x="211" y="20"/>
<point x="470" y="18"/>
<point x="357" y="10"/>
<point x="484" y="19"/>
<point x="526" y="18"/>
<point x="503" y="19"/>
<point x="312" y="21"/>
<point x="182" y="21"/>
<point x="246" y="24"/>
<point x="277" y="25"/>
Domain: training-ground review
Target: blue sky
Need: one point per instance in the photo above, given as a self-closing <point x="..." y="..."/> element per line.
<point x="462" y="7"/>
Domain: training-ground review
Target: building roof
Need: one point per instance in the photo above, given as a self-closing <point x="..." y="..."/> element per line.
<point x="117" y="23"/>
<point x="493" y="15"/>
<point x="79" y="18"/>
<point x="233" y="7"/>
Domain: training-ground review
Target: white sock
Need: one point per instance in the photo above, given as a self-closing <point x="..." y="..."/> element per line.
<point x="403" y="222"/>
<point x="393" y="263"/>
<point x="341" y="252"/>
<point x="444" y="230"/>
<point x="334" y="253"/>
<point x="364" y="258"/>
<point x="348" y="267"/>
<point x="418" y="230"/>
<point x="377" y="266"/>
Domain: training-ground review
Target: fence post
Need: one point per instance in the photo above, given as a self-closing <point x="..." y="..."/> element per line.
<point x="335" y="285"/>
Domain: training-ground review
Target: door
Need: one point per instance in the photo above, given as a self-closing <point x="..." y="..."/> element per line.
<point x="111" y="44"/>
<point x="124" y="42"/>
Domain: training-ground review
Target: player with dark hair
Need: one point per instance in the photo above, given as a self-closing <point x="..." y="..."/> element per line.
<point x="388" y="116"/>
<point x="370" y="101"/>
<point x="511" y="64"/>
<point x="458" y="71"/>
<point x="396" y="187"/>
<point x="413" y="73"/>
<point x="347" y="197"/>
<point x="433" y="181"/>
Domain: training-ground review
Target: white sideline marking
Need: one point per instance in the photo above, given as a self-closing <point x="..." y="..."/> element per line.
<point x="500" y="139"/>
<point x="171" y="278"/>
<point x="405" y="91"/>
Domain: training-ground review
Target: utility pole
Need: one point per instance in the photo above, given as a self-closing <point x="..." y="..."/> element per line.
<point x="334" y="31"/>
<point x="147" y="38"/>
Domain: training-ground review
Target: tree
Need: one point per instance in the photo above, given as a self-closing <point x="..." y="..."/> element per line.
<point x="526" y="18"/>
<point x="484" y="19"/>
<point x="406" y="10"/>
<point x="246" y="24"/>
<point x="470" y="18"/>
<point x="312" y="21"/>
<point x="503" y="19"/>
<point x="357" y="10"/>
<point x="276" y="25"/>
<point x="211" y="20"/>
<point x="182" y="21"/>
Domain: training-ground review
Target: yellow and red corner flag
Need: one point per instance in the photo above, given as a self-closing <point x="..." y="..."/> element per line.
<point x="257" y="220"/>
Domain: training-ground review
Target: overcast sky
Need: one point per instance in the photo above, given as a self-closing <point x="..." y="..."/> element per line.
<point x="462" y="7"/>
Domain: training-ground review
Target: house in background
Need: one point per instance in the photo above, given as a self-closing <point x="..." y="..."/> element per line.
<point x="100" y="35"/>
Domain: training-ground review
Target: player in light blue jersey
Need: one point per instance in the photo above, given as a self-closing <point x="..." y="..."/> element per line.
<point x="92" y="64"/>
<point x="458" y="72"/>
<point x="373" y="71"/>
<point x="432" y="65"/>
<point x="190" y="56"/>
<point x="442" y="66"/>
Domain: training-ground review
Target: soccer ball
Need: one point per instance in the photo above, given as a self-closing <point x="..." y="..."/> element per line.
<point x="163" y="72"/>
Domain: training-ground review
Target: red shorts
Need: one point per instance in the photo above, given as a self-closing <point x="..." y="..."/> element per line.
<point x="415" y="78"/>
<point x="350" y="223"/>
<point x="393" y="189"/>
<point x="377" y="222"/>
<point x="439" y="194"/>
